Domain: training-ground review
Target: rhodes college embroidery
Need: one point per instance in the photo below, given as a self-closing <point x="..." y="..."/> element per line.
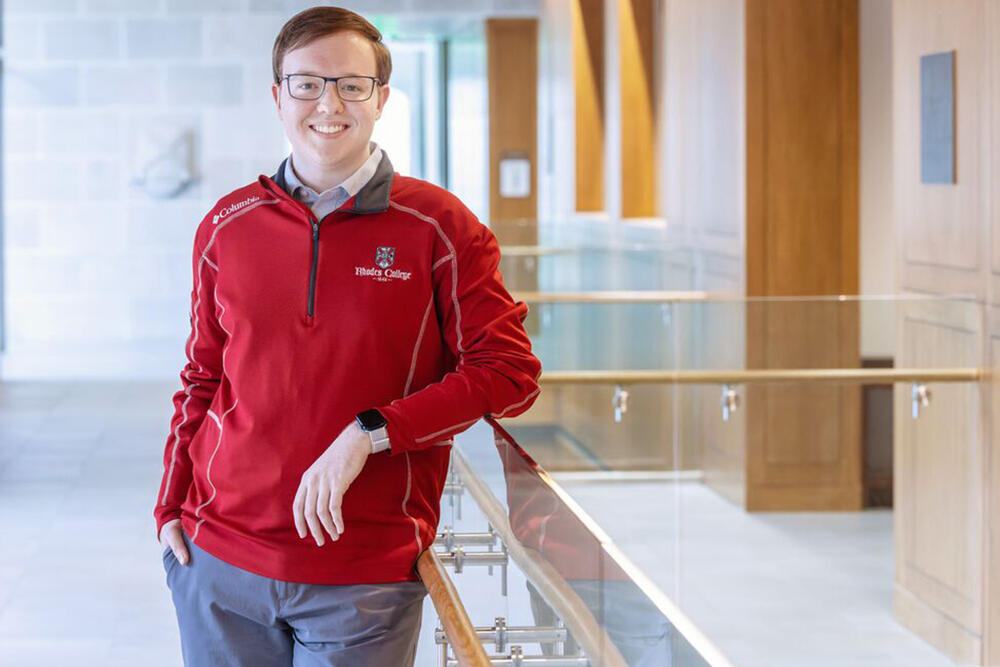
<point x="384" y="256"/>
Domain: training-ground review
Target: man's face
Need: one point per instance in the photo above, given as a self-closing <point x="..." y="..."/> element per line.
<point x="339" y="54"/>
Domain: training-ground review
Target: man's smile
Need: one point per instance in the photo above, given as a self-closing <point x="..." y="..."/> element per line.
<point x="329" y="129"/>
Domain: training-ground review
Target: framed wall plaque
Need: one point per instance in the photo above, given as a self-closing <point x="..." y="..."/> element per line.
<point x="937" y="118"/>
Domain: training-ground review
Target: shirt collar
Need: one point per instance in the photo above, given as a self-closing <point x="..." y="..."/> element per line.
<point x="351" y="185"/>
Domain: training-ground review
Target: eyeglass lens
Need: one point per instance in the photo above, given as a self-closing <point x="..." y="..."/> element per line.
<point x="351" y="88"/>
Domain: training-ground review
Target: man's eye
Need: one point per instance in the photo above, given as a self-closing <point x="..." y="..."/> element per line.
<point x="305" y="86"/>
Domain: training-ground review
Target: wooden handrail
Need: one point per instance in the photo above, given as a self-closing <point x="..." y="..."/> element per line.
<point x="462" y="637"/>
<point x="573" y="611"/>
<point x="623" y="296"/>
<point x="763" y="375"/>
<point x="685" y="296"/>
<point x="534" y="251"/>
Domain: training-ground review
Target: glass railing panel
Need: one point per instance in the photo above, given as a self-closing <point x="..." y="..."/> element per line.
<point x="751" y="576"/>
<point x="741" y="474"/>
<point x="811" y="332"/>
<point x="581" y="424"/>
<point x="602" y="336"/>
<point x="653" y="331"/>
<point x="474" y="559"/>
<point x="563" y="570"/>
<point x="491" y="495"/>
<point x="565" y="268"/>
<point x="838" y="559"/>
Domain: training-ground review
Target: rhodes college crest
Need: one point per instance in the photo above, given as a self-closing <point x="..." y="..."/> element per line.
<point x="384" y="256"/>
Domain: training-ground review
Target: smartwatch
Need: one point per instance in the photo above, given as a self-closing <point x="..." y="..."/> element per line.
<point x="373" y="423"/>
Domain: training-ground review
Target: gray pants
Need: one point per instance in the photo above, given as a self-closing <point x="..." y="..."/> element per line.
<point x="230" y="617"/>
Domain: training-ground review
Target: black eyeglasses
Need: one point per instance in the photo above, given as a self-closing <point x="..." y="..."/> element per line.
<point x="349" y="88"/>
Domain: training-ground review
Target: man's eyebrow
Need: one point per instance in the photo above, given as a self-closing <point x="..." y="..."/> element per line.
<point x="315" y="73"/>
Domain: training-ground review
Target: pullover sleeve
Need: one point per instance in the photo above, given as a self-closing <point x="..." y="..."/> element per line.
<point x="200" y="379"/>
<point x="496" y="373"/>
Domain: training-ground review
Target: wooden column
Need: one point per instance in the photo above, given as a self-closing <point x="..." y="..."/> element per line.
<point x="588" y="85"/>
<point x="512" y="71"/>
<point x="803" y="448"/>
<point x="638" y="126"/>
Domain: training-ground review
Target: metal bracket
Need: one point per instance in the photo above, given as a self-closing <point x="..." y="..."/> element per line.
<point x="454" y="488"/>
<point x="730" y="402"/>
<point x="448" y="539"/>
<point x="920" y="398"/>
<point x="620" y="403"/>
<point x="500" y="634"/>
<point x="459" y="559"/>
<point x="516" y="658"/>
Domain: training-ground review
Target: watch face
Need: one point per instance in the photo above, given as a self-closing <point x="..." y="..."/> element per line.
<point x="371" y="420"/>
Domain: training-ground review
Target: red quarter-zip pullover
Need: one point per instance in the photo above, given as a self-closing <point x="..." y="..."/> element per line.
<point x="393" y="301"/>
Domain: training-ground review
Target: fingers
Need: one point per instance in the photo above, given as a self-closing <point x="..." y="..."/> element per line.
<point x="323" y="511"/>
<point x="171" y="535"/>
<point x="298" y="509"/>
<point x="338" y="518"/>
<point x="317" y="506"/>
<point x="311" y="517"/>
<point x="166" y="528"/>
<point x="181" y="552"/>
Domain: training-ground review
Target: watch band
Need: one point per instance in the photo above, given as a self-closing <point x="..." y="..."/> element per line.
<point x="373" y="423"/>
<point x="380" y="439"/>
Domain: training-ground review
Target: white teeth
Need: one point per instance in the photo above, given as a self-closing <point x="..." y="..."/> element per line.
<point x="329" y="129"/>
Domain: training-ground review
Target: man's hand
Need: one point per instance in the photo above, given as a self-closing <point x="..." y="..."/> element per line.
<point x="170" y="533"/>
<point x="323" y="485"/>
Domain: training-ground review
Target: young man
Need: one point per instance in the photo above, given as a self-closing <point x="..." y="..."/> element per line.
<point x="346" y="323"/>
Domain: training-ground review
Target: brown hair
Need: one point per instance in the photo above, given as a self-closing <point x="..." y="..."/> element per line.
<point x="311" y="24"/>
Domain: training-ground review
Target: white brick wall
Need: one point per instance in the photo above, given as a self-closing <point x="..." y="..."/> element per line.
<point x="98" y="274"/>
<point x="95" y="268"/>
<point x="163" y="39"/>
<point x="71" y="39"/>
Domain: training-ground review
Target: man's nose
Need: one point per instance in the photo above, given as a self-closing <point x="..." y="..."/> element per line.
<point x="330" y="99"/>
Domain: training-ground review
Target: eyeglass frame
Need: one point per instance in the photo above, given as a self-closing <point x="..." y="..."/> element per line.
<point x="326" y="79"/>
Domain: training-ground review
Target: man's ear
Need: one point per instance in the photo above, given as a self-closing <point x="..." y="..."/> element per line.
<point x="276" y="94"/>
<point x="383" y="95"/>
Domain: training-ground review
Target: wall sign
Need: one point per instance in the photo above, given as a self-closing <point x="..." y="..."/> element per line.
<point x="937" y="118"/>
<point x="515" y="175"/>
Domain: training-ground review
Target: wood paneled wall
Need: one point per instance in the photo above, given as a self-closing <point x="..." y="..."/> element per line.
<point x="938" y="494"/>
<point x="512" y="73"/>
<point x="702" y="148"/>
<point x="803" y="444"/>
<point x="588" y="83"/>
<point x="947" y="470"/>
<point x="702" y="119"/>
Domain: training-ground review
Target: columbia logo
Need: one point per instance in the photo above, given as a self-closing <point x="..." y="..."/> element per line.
<point x="228" y="210"/>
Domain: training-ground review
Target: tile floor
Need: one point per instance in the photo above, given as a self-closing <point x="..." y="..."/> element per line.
<point x="81" y="579"/>
<point x="768" y="589"/>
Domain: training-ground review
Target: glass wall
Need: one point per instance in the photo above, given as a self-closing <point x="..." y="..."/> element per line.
<point x="408" y="128"/>
<point x="468" y="122"/>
